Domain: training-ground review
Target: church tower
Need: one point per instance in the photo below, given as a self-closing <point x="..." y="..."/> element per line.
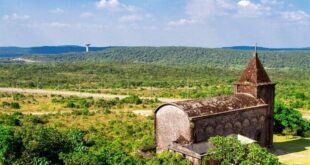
<point x="255" y="81"/>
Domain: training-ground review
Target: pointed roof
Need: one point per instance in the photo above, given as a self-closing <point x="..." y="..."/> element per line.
<point x="255" y="72"/>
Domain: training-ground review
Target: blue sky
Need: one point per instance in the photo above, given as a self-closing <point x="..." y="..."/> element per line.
<point x="204" y="23"/>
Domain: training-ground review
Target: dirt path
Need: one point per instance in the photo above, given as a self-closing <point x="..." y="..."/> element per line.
<point x="142" y="112"/>
<point x="72" y="93"/>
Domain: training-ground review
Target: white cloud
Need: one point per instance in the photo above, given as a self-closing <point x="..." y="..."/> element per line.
<point x="131" y="18"/>
<point x="207" y="8"/>
<point x="15" y="17"/>
<point x="181" y="22"/>
<point x="246" y="8"/>
<point x="272" y="2"/>
<point x="57" y="11"/>
<point x="299" y="16"/>
<point x="130" y="8"/>
<point x="86" y="14"/>
<point x="247" y="4"/>
<point x="116" y="5"/>
<point x="59" y="25"/>
<point x="103" y="4"/>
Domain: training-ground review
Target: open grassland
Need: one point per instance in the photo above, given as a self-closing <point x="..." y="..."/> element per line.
<point x="51" y="104"/>
<point x="293" y="149"/>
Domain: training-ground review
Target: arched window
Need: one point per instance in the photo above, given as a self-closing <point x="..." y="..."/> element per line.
<point x="258" y="136"/>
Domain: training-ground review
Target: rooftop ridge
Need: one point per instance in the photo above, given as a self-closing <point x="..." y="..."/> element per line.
<point x="254" y="72"/>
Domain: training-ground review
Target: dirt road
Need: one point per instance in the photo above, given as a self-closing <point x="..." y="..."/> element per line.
<point x="72" y="93"/>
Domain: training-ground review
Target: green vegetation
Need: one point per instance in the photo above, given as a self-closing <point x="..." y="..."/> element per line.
<point x="149" y="80"/>
<point x="229" y="150"/>
<point x="67" y="130"/>
<point x="185" y="56"/>
<point x="289" y="121"/>
<point x="13" y="105"/>
<point x="115" y="140"/>
<point x="97" y="131"/>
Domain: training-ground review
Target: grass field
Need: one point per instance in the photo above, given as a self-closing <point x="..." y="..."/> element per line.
<point x="292" y="149"/>
<point x="50" y="104"/>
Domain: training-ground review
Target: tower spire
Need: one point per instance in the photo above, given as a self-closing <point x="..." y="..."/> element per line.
<point x="255" y="52"/>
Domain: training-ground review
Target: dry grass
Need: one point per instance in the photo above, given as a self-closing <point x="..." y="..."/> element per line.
<point x="33" y="103"/>
<point x="293" y="149"/>
<point x="41" y="104"/>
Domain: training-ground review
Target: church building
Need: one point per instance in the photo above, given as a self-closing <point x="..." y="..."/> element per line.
<point x="186" y="126"/>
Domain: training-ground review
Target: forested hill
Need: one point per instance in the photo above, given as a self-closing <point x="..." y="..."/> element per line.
<point x="267" y="49"/>
<point x="19" y="51"/>
<point x="186" y="55"/>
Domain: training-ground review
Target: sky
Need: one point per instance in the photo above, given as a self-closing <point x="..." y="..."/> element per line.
<point x="201" y="23"/>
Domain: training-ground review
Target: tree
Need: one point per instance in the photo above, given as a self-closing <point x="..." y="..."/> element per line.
<point x="167" y="157"/>
<point x="41" y="142"/>
<point x="229" y="150"/>
<point x="289" y="121"/>
<point x="6" y="145"/>
<point x="259" y="155"/>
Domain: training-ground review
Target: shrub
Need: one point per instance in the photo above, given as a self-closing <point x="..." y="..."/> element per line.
<point x="36" y="119"/>
<point x="6" y="145"/>
<point x="289" y="121"/>
<point x="229" y="150"/>
<point x="41" y="142"/>
<point x="258" y="155"/>
<point x="86" y="103"/>
<point x="70" y="104"/>
<point x="84" y="111"/>
<point x="11" y="120"/>
<point x="132" y="99"/>
<point x="15" y="105"/>
<point x="6" y="104"/>
<point x="167" y="157"/>
<point x="18" y="96"/>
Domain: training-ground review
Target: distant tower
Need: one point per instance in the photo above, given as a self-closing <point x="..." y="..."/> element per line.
<point x="87" y="47"/>
<point x="255" y="81"/>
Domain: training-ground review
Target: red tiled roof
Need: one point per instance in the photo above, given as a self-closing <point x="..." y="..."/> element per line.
<point x="205" y="107"/>
<point x="255" y="72"/>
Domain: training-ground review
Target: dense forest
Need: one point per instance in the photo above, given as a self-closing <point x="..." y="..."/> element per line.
<point x="186" y="56"/>
<point x="46" y="50"/>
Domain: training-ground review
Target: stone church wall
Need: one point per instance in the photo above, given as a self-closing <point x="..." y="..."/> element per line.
<point x="248" y="122"/>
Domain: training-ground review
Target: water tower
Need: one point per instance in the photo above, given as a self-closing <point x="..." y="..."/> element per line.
<point x="87" y="47"/>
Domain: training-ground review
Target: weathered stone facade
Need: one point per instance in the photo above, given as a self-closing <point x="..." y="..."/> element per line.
<point x="248" y="112"/>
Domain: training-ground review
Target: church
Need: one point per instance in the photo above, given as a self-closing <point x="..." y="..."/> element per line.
<point x="185" y="126"/>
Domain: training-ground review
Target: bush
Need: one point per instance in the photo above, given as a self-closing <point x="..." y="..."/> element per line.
<point x="132" y="99"/>
<point x="70" y="104"/>
<point x="18" y="96"/>
<point x="258" y="155"/>
<point x="84" y="111"/>
<point x="167" y="157"/>
<point x="36" y="119"/>
<point x="7" y="152"/>
<point x="81" y="158"/>
<point x="6" y="104"/>
<point x="11" y="120"/>
<point x="229" y="150"/>
<point x="289" y="121"/>
<point x="41" y="142"/>
<point x="15" y="105"/>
